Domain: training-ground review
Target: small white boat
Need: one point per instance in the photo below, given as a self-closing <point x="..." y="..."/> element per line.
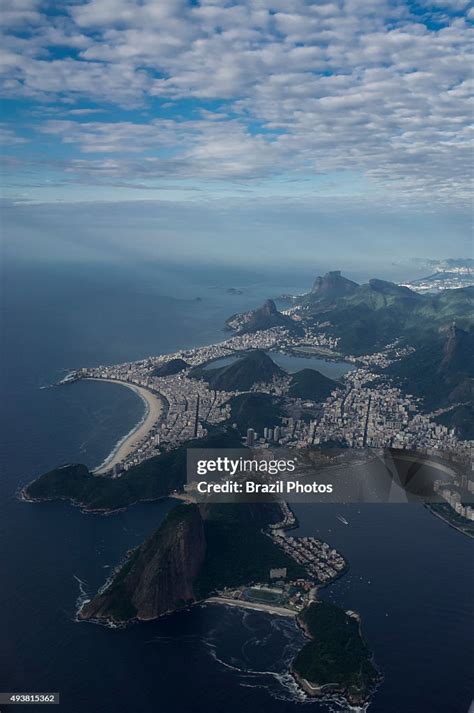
<point x="342" y="519"/>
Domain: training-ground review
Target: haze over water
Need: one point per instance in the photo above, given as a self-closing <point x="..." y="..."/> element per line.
<point x="409" y="577"/>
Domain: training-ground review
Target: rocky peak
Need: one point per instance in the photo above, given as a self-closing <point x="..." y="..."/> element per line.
<point x="456" y="349"/>
<point x="268" y="308"/>
<point x="333" y="284"/>
<point x="158" y="577"/>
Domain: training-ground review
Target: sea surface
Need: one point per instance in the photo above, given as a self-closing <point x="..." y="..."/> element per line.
<point x="410" y="574"/>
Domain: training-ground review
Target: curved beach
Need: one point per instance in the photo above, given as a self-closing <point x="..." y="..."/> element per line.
<point x="126" y="446"/>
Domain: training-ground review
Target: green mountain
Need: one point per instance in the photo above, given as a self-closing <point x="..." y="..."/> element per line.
<point x="265" y="317"/>
<point x="444" y="308"/>
<point x="158" y="577"/>
<point x="461" y="418"/>
<point x="359" y="328"/>
<point x="238" y="552"/>
<point x="332" y="286"/>
<point x="170" y="368"/>
<point x="312" y="385"/>
<point x="440" y="371"/>
<point x="334" y="289"/>
<point x="255" y="410"/>
<point x="380" y="294"/>
<point x="336" y="656"/>
<point x="367" y="317"/>
<point x="196" y="550"/>
<point x="254" y="368"/>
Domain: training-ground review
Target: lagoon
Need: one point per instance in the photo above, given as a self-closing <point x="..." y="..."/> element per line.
<point x="291" y="364"/>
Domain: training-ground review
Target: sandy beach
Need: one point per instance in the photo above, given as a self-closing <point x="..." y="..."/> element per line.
<point x="154" y="411"/>
<point x="243" y="604"/>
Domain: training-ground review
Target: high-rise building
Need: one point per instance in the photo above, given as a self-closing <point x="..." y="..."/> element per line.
<point x="250" y="437"/>
<point x="276" y="433"/>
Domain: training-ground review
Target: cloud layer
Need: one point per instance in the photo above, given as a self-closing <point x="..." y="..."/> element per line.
<point x="243" y="92"/>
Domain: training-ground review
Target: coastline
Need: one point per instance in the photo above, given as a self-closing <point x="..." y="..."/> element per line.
<point x="242" y="604"/>
<point x="449" y="522"/>
<point x="154" y="409"/>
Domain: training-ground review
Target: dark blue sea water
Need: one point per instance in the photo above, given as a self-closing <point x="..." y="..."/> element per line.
<point x="410" y="574"/>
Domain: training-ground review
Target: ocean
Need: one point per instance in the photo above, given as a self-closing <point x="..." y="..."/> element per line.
<point x="410" y="574"/>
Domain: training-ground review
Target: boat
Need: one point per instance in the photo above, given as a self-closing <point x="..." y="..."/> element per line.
<point x="342" y="519"/>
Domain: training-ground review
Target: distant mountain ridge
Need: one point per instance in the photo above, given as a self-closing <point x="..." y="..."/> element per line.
<point x="367" y="317"/>
<point x="333" y="285"/>
<point x="363" y="317"/>
<point x="333" y="289"/>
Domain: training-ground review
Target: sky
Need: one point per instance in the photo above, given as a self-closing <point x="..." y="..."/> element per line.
<point x="268" y="130"/>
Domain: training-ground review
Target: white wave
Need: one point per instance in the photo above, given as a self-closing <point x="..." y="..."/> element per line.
<point x="128" y="435"/>
<point x="83" y="595"/>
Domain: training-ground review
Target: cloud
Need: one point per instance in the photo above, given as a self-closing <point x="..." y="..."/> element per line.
<point x="364" y="86"/>
<point x="8" y="137"/>
<point x="19" y="13"/>
<point x="211" y="148"/>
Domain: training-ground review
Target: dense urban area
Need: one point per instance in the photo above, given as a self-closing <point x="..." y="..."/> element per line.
<point x="365" y="409"/>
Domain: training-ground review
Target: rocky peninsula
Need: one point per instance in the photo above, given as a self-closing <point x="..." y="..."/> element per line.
<point x="203" y="552"/>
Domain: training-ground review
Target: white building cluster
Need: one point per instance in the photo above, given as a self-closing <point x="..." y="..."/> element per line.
<point x="319" y="559"/>
<point x="454" y="498"/>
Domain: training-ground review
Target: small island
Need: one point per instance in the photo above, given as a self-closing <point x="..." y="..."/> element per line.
<point x="336" y="659"/>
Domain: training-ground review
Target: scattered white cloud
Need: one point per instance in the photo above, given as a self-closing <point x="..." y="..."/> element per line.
<point x="8" y="137"/>
<point x="19" y="13"/>
<point x="297" y="88"/>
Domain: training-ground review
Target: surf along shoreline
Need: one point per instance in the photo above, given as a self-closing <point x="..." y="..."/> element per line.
<point x="154" y="411"/>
